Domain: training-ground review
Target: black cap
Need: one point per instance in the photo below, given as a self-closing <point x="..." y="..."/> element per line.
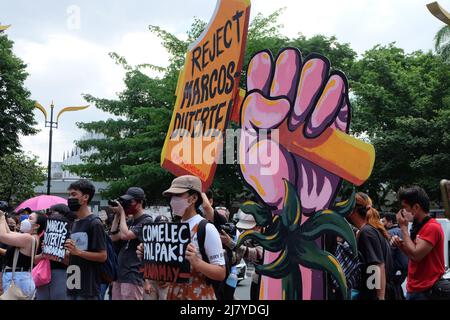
<point x="134" y="193"/>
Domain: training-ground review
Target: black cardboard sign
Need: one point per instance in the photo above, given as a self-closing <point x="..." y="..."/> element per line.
<point x="165" y="252"/>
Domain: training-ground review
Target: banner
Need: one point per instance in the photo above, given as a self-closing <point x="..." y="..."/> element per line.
<point x="164" y="252"/>
<point x="206" y="93"/>
<point x="55" y="236"/>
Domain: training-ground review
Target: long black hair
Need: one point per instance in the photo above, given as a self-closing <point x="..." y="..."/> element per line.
<point x="41" y="220"/>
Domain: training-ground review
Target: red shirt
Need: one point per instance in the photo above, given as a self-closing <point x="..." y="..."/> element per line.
<point x="422" y="275"/>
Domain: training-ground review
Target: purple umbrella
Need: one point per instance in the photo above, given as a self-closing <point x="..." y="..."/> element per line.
<point x="41" y="202"/>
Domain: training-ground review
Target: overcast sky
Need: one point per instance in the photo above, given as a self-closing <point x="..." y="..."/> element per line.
<point x="66" y="59"/>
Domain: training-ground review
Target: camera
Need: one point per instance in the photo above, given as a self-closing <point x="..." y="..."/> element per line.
<point x="229" y="229"/>
<point x="124" y="203"/>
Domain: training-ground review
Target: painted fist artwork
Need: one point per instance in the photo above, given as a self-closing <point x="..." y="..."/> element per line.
<point x="295" y="121"/>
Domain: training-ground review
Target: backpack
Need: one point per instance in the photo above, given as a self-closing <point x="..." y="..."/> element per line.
<point x="351" y="265"/>
<point x="201" y="235"/>
<point x="109" y="270"/>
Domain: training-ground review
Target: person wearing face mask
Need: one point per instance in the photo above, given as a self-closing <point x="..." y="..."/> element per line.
<point x="86" y="246"/>
<point x="424" y="246"/>
<point x="130" y="282"/>
<point x="185" y="199"/>
<point x="23" y="243"/>
<point x="56" y="289"/>
<point x="250" y="251"/>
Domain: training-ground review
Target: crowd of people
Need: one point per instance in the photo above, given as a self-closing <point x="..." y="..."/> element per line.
<point x="104" y="258"/>
<point x="390" y="252"/>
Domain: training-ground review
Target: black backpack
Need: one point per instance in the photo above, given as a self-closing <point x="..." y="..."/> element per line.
<point x="110" y="268"/>
<point x="201" y="235"/>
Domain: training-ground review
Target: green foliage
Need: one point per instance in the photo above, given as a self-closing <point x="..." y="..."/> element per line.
<point x="402" y="101"/>
<point x="16" y="116"/>
<point x="20" y="175"/>
<point x="442" y="43"/>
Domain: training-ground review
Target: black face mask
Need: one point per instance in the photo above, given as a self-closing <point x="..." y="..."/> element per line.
<point x="73" y="204"/>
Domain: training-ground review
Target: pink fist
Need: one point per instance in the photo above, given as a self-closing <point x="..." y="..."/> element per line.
<point x="296" y="94"/>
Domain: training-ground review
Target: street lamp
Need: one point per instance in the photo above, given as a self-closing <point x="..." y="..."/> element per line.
<point x="53" y="125"/>
<point x="439" y="12"/>
<point x="3" y="28"/>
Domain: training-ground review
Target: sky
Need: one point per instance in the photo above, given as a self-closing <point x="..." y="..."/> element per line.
<point x="65" y="44"/>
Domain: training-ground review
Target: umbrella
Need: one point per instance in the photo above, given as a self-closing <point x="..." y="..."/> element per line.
<point x="41" y="202"/>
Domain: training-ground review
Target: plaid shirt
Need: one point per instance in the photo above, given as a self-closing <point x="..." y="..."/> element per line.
<point x="350" y="264"/>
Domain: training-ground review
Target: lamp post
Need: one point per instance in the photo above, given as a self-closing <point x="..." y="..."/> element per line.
<point x="439" y="12"/>
<point x="53" y="125"/>
<point x="3" y="28"/>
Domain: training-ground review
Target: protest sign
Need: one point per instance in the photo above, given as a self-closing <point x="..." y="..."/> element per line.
<point x="206" y="93"/>
<point x="164" y="252"/>
<point x="55" y="236"/>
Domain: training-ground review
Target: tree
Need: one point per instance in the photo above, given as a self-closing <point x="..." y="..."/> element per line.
<point x="402" y="101"/>
<point x="130" y="153"/>
<point x="20" y="175"/>
<point x="442" y="43"/>
<point x="16" y="116"/>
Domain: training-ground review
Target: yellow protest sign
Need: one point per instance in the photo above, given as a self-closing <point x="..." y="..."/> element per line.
<point x="206" y="93"/>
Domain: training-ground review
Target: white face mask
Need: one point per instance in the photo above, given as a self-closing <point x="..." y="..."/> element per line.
<point x="25" y="226"/>
<point x="179" y="205"/>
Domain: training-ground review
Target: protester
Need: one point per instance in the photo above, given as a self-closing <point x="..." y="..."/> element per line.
<point x="424" y="247"/>
<point x="375" y="252"/>
<point x="209" y="212"/>
<point x="219" y="217"/>
<point x="250" y="251"/>
<point x="156" y="290"/>
<point x="57" y="288"/>
<point x="400" y="259"/>
<point x="186" y="196"/>
<point x="24" y="242"/>
<point x="130" y="283"/>
<point x="87" y="245"/>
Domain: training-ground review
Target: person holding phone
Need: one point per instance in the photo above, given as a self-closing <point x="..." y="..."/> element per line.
<point x="424" y="246"/>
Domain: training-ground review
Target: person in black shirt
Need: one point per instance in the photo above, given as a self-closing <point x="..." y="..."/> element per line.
<point x="374" y="251"/>
<point x="130" y="282"/>
<point x="86" y="246"/>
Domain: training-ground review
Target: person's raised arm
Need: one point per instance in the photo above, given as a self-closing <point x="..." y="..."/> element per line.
<point x="207" y="208"/>
<point x="416" y="252"/>
<point x="115" y="232"/>
<point x="15" y="239"/>
<point x="125" y="233"/>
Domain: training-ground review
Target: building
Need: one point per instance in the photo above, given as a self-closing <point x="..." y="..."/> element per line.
<point x="61" y="178"/>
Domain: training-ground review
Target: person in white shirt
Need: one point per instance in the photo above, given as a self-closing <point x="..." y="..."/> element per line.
<point x="185" y="197"/>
